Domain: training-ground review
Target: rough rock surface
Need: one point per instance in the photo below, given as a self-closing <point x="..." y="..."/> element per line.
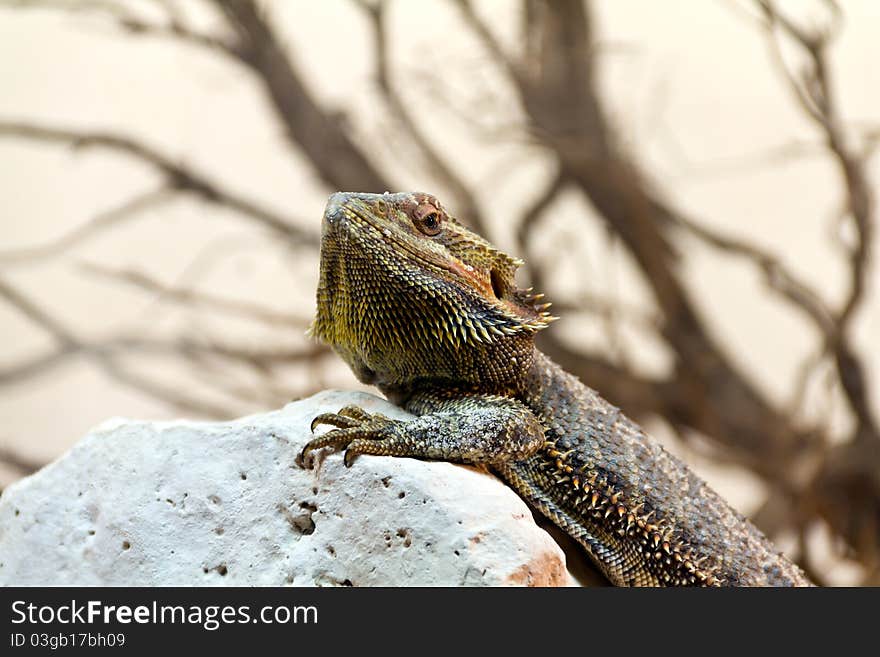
<point x="198" y="503"/>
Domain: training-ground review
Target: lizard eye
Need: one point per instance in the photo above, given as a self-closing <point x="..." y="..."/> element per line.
<point x="427" y="220"/>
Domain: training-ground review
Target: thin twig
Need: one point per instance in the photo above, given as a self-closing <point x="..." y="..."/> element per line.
<point x="465" y="202"/>
<point x="177" y="175"/>
<point x="102" y="221"/>
<point x="777" y="277"/>
<point x="815" y="94"/>
<point x="105" y="355"/>
<point x="192" y="298"/>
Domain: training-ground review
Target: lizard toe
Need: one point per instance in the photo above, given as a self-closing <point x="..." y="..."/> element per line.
<point x="333" y="419"/>
<point x="355" y="413"/>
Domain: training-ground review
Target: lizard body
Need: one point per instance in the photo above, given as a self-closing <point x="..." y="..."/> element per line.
<point x="429" y="312"/>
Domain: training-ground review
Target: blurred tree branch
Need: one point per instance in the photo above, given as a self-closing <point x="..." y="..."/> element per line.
<point x="192" y="298"/>
<point x="177" y="178"/>
<point x="556" y="84"/>
<point x="463" y="200"/>
<point x="21" y="464"/>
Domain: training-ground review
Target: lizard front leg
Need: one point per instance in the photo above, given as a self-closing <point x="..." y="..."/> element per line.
<point x="478" y="429"/>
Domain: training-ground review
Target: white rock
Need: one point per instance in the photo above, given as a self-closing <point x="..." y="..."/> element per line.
<point x="198" y="503"/>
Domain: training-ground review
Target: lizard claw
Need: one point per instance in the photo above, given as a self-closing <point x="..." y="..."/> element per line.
<point x="351" y="424"/>
<point x="334" y="419"/>
<point x="346" y="418"/>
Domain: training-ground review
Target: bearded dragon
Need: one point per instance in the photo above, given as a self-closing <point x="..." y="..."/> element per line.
<point x="428" y="311"/>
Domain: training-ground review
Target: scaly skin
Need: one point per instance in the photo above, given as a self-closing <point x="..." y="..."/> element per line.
<point x="428" y="311"/>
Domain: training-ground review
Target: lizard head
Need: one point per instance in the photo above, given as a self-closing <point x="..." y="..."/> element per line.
<point x="406" y="292"/>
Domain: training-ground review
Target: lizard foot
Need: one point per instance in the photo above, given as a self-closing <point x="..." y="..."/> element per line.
<point x="355" y="428"/>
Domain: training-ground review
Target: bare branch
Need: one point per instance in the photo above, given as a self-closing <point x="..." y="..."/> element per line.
<point x="16" y="461"/>
<point x="37" y="315"/>
<point x="596" y="304"/>
<point x="105" y="354"/>
<point x="802" y="378"/>
<point x="171" y="395"/>
<point x="98" y="224"/>
<point x="182" y="34"/>
<point x="317" y="131"/>
<point x="491" y="44"/>
<point x="748" y="163"/>
<point x="109" y="349"/>
<point x="529" y="219"/>
<point x="108" y="7"/>
<point x="537" y="209"/>
<point x="174" y="27"/>
<point x="177" y="176"/>
<point x="560" y="96"/>
<point x="191" y="298"/>
<point x="776" y="276"/>
<point x="816" y="95"/>
<point x="465" y="202"/>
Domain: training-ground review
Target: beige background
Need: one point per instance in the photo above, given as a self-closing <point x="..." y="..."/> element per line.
<point x="693" y="92"/>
